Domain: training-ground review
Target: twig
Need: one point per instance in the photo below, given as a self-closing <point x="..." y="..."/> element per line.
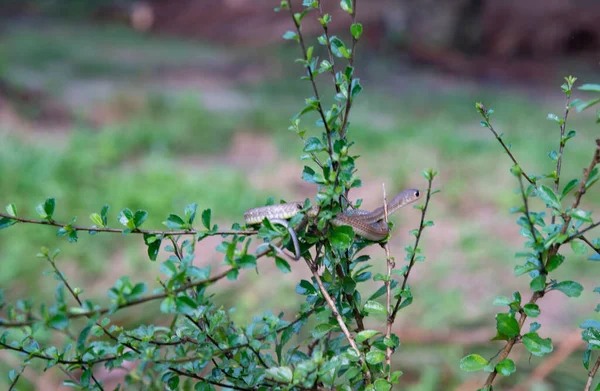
<point x="351" y="61"/>
<point x="561" y="148"/>
<point x="329" y="51"/>
<point x="484" y="113"/>
<point x="412" y="261"/>
<point x="388" y="289"/>
<point x="338" y="317"/>
<point x="591" y="375"/>
<point x="102" y="311"/>
<point x="136" y="231"/>
<point x="312" y="80"/>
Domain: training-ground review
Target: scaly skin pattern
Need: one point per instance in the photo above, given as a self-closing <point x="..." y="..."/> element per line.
<point x="364" y="223"/>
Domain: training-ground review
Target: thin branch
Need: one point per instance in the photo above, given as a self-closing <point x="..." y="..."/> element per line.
<point x="312" y="80"/>
<point x="102" y="311"/>
<point x="591" y="374"/>
<point x="388" y="290"/>
<point x="16" y="379"/>
<point x="329" y="51"/>
<point x="136" y="231"/>
<point x="351" y="61"/>
<point x="586" y="241"/>
<point x="561" y="148"/>
<point x="484" y="112"/>
<point x="412" y="261"/>
<point x="338" y="317"/>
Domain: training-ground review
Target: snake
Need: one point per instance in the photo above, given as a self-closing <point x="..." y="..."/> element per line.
<point x="369" y="225"/>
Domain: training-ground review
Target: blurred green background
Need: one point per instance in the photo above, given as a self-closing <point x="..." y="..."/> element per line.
<point x="153" y="106"/>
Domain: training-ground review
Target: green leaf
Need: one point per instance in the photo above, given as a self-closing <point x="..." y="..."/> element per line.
<point x="356" y="30"/>
<point x="382" y="385"/>
<point x="97" y="220"/>
<point x="247" y="261"/>
<point x="570" y="186"/>
<point x="346" y="5"/>
<point x="282" y="265"/>
<point x="349" y="285"/>
<point x="554" y="117"/>
<point x="594" y="257"/>
<point x="472" y="363"/>
<point x="290" y="35"/>
<point x="590" y="87"/>
<point x="502" y="300"/>
<point x="548" y="196"/>
<point x="58" y="321"/>
<point x="537" y="345"/>
<point x="374" y="307"/>
<point x="206" y="215"/>
<point x="313" y="144"/>
<point x="321" y="329"/>
<point x="507" y="325"/>
<point x="190" y="212"/>
<point x="578" y="247"/>
<point x="174" y="222"/>
<point x="532" y="310"/>
<point x="582" y="215"/>
<point x="153" y="242"/>
<point x="11" y="209"/>
<point x="506" y="367"/>
<point x="139" y="218"/>
<point x="341" y="237"/>
<point x="185" y="305"/>
<point x="538" y="284"/>
<point x="5" y="222"/>
<point x="305" y="288"/>
<point x="280" y="374"/>
<point x="46" y="210"/>
<point x="375" y="357"/>
<point x="569" y="288"/>
<point x="554" y="262"/>
<point x="366" y="334"/>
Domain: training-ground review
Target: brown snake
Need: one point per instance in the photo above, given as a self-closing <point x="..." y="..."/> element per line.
<point x="368" y="225"/>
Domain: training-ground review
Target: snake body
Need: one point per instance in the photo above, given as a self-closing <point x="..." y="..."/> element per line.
<point x="364" y="223"/>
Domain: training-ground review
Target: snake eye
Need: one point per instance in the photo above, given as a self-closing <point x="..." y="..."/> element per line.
<point x="417" y="193"/>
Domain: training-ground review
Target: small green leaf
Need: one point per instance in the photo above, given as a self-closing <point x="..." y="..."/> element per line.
<point x="472" y="363"/>
<point x="349" y="285"/>
<point x="554" y="262"/>
<point x="582" y="215"/>
<point x="382" y="385"/>
<point x="290" y="35"/>
<point x="46" y="210"/>
<point x="532" y="310"/>
<point x="174" y="222"/>
<point x="280" y="374"/>
<point x="374" y="307"/>
<point x="190" y="212"/>
<point x="282" y="265"/>
<point x="305" y="288"/>
<point x="578" y="247"/>
<point x="506" y="367"/>
<point x="375" y="357"/>
<point x="185" y="305"/>
<point x="247" y="261"/>
<point x="5" y="222"/>
<point x="590" y="87"/>
<point x="58" y="321"/>
<point x="537" y="345"/>
<point x="554" y="117"/>
<point x="538" y="284"/>
<point x="366" y="334"/>
<point x="346" y="5"/>
<point x="321" y="329"/>
<point x="341" y="237"/>
<point x="569" y="288"/>
<point x="356" y="30"/>
<point x="507" y="325"/>
<point x="548" y="196"/>
<point x="139" y="217"/>
<point x="11" y="209"/>
<point x="97" y="220"/>
<point x="206" y="216"/>
<point x="570" y="186"/>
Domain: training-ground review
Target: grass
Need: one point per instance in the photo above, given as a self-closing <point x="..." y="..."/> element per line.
<point x="169" y="151"/>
